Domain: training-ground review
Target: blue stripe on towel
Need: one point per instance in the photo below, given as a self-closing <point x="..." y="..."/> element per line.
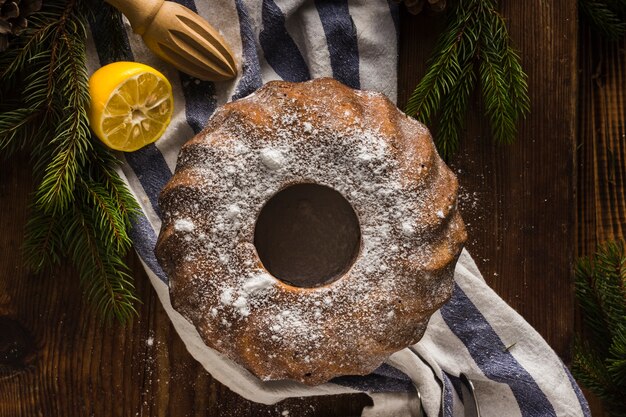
<point x="144" y="241"/>
<point x="383" y="379"/>
<point x="251" y="69"/>
<point x="394" y="8"/>
<point x="342" y="42"/>
<point x="190" y="4"/>
<point x="279" y="49"/>
<point x="491" y="356"/>
<point x="579" y="394"/>
<point x="200" y="100"/>
<point x="391" y="372"/>
<point x="456" y="384"/>
<point x="97" y="28"/>
<point x="152" y="172"/>
<point x="447" y="396"/>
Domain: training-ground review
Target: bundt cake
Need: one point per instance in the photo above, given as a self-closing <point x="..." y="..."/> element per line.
<point x="309" y="231"/>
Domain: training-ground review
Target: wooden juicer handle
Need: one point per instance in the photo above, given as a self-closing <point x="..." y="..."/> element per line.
<point x="181" y="37"/>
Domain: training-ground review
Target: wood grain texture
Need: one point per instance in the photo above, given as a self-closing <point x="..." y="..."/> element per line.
<point x="601" y="149"/>
<point x="602" y="143"/>
<point x="517" y="200"/>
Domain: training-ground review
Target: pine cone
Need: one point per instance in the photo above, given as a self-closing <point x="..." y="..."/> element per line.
<point x="416" y="6"/>
<point x="13" y="14"/>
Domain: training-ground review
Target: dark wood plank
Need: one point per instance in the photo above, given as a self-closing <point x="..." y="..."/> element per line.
<point x="518" y="200"/>
<point x="602" y="145"/>
<point x="601" y="199"/>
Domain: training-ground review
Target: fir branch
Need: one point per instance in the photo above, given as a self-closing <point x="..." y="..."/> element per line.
<point x="619" y="6"/>
<point x="112" y="223"/>
<point x="102" y="271"/>
<point x="453" y="112"/>
<point x="44" y="244"/>
<point x="443" y="70"/>
<point x="616" y="363"/>
<point x="590" y="369"/>
<point x="516" y="79"/>
<point x="15" y="60"/>
<point x="590" y="302"/>
<point x="17" y="130"/>
<point x="475" y="40"/>
<point x="505" y="90"/>
<point x="102" y="163"/>
<point x="600" y="360"/>
<point x="499" y="109"/>
<point x="72" y="136"/>
<point x="606" y="16"/>
<point x="82" y="208"/>
<point x="37" y="92"/>
<point x="104" y="15"/>
<point x="609" y="284"/>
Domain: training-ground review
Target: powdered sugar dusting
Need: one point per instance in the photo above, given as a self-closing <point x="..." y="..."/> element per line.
<point x="183" y="225"/>
<point x="241" y="305"/>
<point x="259" y="282"/>
<point x="238" y="165"/>
<point x="227" y="296"/>
<point x="272" y="158"/>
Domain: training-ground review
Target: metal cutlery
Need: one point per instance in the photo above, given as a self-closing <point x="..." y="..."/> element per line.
<point x="470" y="402"/>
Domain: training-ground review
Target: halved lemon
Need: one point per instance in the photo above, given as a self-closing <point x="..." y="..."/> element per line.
<point x="131" y="105"/>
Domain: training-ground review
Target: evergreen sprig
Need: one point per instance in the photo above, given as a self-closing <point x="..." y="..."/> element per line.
<point x="606" y="16"/>
<point x="600" y="353"/>
<point x="81" y="207"/>
<point x="475" y="46"/>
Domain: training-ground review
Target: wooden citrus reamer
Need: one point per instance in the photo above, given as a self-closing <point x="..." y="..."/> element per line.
<point x="181" y="37"/>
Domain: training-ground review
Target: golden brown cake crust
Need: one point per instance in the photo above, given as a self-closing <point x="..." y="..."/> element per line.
<point x="321" y="132"/>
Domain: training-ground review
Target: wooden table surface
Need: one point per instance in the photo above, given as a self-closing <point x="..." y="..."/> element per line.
<point x="530" y="209"/>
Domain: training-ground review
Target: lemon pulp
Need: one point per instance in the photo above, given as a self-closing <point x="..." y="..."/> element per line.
<point x="131" y="105"/>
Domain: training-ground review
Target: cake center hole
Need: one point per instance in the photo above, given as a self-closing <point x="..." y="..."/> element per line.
<point x="307" y="235"/>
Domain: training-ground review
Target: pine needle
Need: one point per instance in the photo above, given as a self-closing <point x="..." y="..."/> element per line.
<point x="103" y="164"/>
<point x="474" y="41"/>
<point x="590" y="369"/>
<point x="453" y="112"/>
<point x="16" y="130"/>
<point x="600" y="359"/>
<point x="443" y="70"/>
<point x="72" y="134"/>
<point x="516" y="79"/>
<point x="502" y="116"/>
<point x="44" y="245"/>
<point x="606" y="16"/>
<point x="82" y="209"/>
<point x="102" y="270"/>
<point x="104" y="15"/>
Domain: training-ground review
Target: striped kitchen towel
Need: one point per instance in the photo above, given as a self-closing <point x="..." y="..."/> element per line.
<point x="355" y="41"/>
